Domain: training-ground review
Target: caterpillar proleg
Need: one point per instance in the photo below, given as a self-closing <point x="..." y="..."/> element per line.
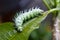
<point x="21" y="17"/>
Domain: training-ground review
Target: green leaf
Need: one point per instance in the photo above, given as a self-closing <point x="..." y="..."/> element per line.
<point x="49" y="3"/>
<point x="7" y="31"/>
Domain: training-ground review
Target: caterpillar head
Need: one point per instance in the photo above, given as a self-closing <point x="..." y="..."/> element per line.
<point x="21" y="17"/>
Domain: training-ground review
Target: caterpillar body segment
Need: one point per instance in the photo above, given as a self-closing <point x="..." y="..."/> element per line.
<point x="22" y="17"/>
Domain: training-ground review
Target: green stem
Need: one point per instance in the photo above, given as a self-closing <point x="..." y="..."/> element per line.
<point x="52" y="10"/>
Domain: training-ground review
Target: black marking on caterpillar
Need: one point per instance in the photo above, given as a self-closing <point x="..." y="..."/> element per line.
<point x="21" y="17"/>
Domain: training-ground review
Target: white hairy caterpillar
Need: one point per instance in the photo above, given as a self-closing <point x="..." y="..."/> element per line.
<point x="21" y="17"/>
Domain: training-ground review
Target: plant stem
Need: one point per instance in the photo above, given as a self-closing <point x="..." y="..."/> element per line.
<point x="52" y="10"/>
<point x="57" y="22"/>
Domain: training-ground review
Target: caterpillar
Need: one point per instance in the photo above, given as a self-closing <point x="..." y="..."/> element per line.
<point x="22" y="16"/>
